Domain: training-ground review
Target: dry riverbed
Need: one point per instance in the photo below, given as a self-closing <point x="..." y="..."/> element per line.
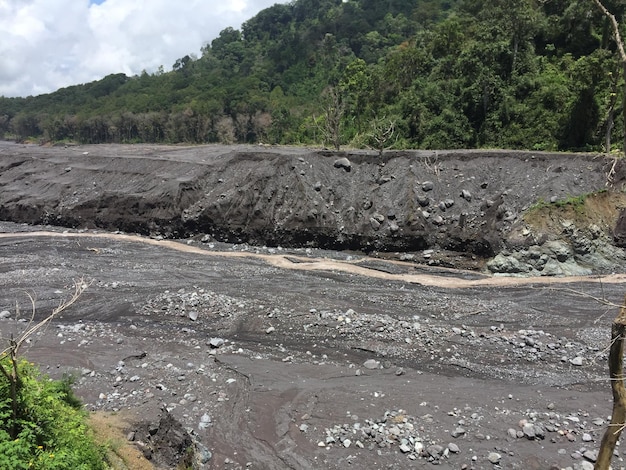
<point x="273" y="358"/>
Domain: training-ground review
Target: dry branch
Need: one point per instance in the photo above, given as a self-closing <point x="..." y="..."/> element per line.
<point x="11" y="372"/>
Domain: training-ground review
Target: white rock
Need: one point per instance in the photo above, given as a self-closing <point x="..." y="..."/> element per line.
<point x="205" y="421"/>
<point x="577" y="361"/>
<point x="371" y="364"/>
<point x="216" y="342"/>
<point x="405" y="448"/>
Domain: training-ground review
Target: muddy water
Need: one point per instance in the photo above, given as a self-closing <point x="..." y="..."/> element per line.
<point x="452" y="279"/>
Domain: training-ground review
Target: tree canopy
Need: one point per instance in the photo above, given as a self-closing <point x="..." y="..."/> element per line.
<point x="528" y="74"/>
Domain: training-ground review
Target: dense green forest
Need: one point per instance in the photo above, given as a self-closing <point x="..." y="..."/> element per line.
<point x="533" y="74"/>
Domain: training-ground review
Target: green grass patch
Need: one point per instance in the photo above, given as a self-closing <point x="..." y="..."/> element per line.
<point x="576" y="203"/>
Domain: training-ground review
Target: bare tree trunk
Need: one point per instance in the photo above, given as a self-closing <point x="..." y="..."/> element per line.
<point x="515" y="50"/>
<point x="333" y="108"/>
<point x="609" y="128"/>
<point x="616" y="372"/>
<point x="624" y="98"/>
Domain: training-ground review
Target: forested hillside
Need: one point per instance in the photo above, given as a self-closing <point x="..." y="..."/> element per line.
<point x="533" y="74"/>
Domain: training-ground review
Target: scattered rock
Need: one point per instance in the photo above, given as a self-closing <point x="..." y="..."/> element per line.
<point x="529" y="431"/>
<point x="423" y="201"/>
<point x="344" y="163"/>
<point x="591" y="455"/>
<point x="202" y="455"/>
<point x="434" y="451"/>
<point x="438" y="220"/>
<point x="216" y="342"/>
<point x="205" y="421"/>
<point x="458" y="432"/>
<point x="583" y="465"/>
<point x="405" y="448"/>
<point x="577" y="361"/>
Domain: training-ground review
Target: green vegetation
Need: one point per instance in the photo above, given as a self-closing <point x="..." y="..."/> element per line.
<point x="42" y="423"/>
<point x="577" y="203"/>
<point x="529" y="74"/>
<point x="49" y="430"/>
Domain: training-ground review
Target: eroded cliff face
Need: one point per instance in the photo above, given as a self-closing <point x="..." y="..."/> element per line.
<point x="472" y="203"/>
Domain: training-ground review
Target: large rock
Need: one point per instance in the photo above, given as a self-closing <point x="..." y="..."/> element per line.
<point x="506" y="264"/>
<point x="344" y="163"/>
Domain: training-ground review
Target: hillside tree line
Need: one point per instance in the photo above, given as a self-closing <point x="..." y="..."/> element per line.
<point x="531" y="74"/>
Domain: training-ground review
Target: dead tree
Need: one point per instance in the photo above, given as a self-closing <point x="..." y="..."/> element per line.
<point x="333" y="109"/>
<point x="616" y="372"/>
<point x="382" y="134"/>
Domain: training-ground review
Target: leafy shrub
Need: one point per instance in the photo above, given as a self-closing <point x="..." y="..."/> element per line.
<point x="43" y="428"/>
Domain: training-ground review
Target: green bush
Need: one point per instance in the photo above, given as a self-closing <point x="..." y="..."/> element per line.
<point x="43" y="428"/>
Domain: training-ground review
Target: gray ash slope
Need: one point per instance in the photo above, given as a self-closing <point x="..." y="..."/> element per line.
<point x="466" y="202"/>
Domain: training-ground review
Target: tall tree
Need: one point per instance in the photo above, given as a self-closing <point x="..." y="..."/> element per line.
<point x="622" y="55"/>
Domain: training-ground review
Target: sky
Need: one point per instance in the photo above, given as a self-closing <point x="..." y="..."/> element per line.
<point x="49" y="44"/>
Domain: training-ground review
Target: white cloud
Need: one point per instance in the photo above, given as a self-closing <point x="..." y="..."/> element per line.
<point x="49" y="44"/>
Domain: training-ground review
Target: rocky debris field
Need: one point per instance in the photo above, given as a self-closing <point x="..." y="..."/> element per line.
<point x="221" y="316"/>
<point x="255" y="363"/>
